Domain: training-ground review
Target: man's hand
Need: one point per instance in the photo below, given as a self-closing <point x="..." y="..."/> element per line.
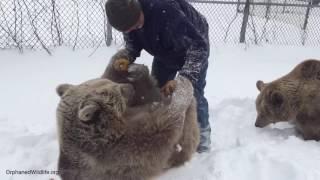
<point x="121" y="64"/>
<point x="169" y="87"/>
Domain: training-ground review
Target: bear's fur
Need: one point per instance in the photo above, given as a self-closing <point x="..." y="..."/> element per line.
<point x="295" y="96"/>
<point x="109" y="131"/>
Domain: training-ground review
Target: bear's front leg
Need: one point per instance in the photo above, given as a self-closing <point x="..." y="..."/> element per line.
<point x="145" y="86"/>
<point x="137" y="72"/>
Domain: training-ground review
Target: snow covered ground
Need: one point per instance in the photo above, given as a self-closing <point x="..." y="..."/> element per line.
<point x="28" y="139"/>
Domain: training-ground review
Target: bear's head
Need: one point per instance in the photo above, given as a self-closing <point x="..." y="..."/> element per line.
<point x="91" y="113"/>
<point x="272" y="104"/>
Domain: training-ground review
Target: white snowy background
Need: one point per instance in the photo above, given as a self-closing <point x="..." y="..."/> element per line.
<point x="240" y="151"/>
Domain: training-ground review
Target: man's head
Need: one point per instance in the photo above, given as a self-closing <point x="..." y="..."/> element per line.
<point x="125" y="15"/>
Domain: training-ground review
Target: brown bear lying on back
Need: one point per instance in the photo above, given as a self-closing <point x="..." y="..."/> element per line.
<point x="296" y="97"/>
<point x="124" y="131"/>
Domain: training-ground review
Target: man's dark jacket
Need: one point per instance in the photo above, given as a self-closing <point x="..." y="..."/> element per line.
<point x="174" y="33"/>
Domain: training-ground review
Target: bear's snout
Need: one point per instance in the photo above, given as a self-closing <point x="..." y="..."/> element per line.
<point x="261" y="122"/>
<point x="257" y="124"/>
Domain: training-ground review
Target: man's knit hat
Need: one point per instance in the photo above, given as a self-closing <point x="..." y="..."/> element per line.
<point x="123" y="14"/>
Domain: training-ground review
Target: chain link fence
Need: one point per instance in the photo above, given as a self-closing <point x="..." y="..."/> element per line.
<point x="287" y="22"/>
<point x="34" y="24"/>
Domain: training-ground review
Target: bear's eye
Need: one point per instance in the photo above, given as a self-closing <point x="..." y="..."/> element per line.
<point x="268" y="110"/>
<point x="104" y="93"/>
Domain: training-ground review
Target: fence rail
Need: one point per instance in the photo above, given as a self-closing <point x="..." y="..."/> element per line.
<point x="35" y="24"/>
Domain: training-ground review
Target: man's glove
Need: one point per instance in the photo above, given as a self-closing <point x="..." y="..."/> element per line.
<point x="121" y="60"/>
<point x="169" y="87"/>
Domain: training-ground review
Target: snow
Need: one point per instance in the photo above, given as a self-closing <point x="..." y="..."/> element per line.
<point x="28" y="137"/>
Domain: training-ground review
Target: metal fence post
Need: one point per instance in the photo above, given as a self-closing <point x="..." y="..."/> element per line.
<point x="268" y="6"/>
<point x="244" y="21"/>
<point x="284" y="7"/>
<point x="109" y="34"/>
<point x="307" y="16"/>
<point x="304" y="28"/>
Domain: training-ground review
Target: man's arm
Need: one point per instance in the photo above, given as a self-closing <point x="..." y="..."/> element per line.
<point x="184" y="34"/>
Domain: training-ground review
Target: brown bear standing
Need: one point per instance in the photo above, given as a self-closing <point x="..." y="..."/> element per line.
<point x="124" y="131"/>
<point x="296" y="97"/>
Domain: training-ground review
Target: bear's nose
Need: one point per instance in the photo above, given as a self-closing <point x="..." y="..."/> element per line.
<point x="257" y="124"/>
<point x="261" y="121"/>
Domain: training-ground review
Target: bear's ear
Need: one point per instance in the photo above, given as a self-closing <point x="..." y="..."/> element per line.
<point x="88" y="110"/>
<point x="276" y="99"/>
<point x="260" y="85"/>
<point x="62" y="88"/>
